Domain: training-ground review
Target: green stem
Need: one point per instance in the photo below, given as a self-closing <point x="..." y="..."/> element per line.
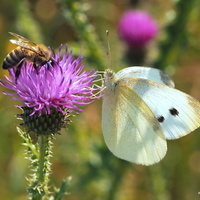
<point x="157" y="182"/>
<point x="73" y="11"/>
<point x="42" y="148"/>
<point x="117" y="180"/>
<point x="25" y="22"/>
<point x="62" y="190"/>
<point x="39" y="189"/>
<point x="175" y="31"/>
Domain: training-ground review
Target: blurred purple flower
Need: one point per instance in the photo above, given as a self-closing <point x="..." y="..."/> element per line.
<point x="137" y="28"/>
<point x="58" y="88"/>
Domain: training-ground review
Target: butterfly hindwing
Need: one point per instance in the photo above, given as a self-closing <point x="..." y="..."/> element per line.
<point x="130" y="129"/>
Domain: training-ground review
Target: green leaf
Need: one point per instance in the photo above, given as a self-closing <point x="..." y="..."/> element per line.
<point x="62" y="191"/>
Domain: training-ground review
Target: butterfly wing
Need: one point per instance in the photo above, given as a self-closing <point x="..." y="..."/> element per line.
<point x="145" y="73"/>
<point x="130" y="129"/>
<point x="178" y="113"/>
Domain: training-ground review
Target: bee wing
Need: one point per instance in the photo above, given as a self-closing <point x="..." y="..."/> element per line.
<point x="20" y="37"/>
<point x="24" y="42"/>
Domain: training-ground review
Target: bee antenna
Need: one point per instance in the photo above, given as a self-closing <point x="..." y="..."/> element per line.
<point x="52" y="51"/>
<point x="108" y="50"/>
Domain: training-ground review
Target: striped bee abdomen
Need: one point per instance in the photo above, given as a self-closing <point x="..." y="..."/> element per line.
<point x="13" y="58"/>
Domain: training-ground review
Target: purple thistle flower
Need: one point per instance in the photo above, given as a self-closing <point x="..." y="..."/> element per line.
<point x="137" y="28"/>
<point x="56" y="90"/>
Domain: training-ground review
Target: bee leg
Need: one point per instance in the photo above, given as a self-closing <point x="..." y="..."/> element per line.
<point x="50" y="63"/>
<point x="36" y="68"/>
<point x="18" y="71"/>
<point x="53" y="62"/>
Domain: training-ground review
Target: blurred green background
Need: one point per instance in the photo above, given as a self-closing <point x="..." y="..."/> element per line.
<point x="80" y="151"/>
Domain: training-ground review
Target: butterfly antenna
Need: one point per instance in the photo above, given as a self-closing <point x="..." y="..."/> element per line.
<point x="109" y="51"/>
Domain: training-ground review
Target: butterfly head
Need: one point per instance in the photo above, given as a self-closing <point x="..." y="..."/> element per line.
<point x="109" y="81"/>
<point x="109" y="76"/>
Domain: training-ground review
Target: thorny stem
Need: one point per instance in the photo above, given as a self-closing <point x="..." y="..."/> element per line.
<point x="175" y="32"/>
<point x="39" y="155"/>
<point x="39" y="187"/>
<point x="42" y="148"/>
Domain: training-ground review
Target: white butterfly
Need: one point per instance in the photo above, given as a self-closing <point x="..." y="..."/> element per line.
<point x="141" y="109"/>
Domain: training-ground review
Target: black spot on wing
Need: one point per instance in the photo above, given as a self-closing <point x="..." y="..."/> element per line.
<point x="173" y="111"/>
<point x="160" y="119"/>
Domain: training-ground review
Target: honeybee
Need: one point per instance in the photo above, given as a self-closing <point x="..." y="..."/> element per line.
<point x="38" y="54"/>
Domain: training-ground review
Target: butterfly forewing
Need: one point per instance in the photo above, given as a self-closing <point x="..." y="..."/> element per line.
<point x="145" y="73"/>
<point x="177" y="112"/>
